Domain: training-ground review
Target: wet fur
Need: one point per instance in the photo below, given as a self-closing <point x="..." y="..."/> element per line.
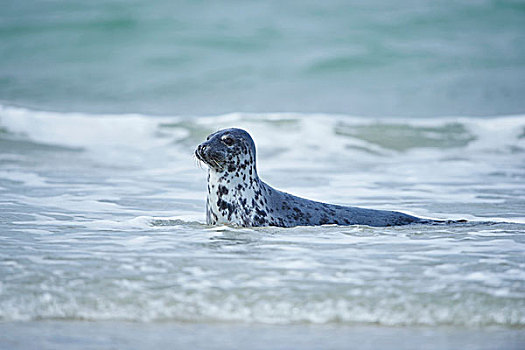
<point x="237" y="196"/>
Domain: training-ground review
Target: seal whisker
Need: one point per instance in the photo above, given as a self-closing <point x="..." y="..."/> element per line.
<point x="217" y="163"/>
<point x="197" y="161"/>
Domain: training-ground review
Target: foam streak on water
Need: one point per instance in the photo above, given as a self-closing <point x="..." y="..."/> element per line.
<point x="102" y="218"/>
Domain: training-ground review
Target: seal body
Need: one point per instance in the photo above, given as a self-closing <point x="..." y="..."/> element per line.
<point x="237" y="196"/>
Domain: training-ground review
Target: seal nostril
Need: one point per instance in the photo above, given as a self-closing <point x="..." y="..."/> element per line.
<point x="201" y="149"/>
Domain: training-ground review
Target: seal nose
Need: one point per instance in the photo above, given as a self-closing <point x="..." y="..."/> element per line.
<point x="200" y="149"/>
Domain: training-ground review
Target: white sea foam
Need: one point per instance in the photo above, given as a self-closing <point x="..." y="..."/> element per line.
<point x="114" y="230"/>
<point x="81" y="130"/>
<point x="314" y="132"/>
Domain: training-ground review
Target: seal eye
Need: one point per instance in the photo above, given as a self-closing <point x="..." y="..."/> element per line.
<point x="227" y="140"/>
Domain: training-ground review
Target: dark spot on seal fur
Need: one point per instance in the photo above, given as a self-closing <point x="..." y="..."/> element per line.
<point x="324" y="220"/>
<point x="223" y="190"/>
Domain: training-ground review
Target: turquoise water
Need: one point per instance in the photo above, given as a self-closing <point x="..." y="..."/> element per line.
<point x="378" y="58"/>
<point x="102" y="220"/>
<point x="414" y="106"/>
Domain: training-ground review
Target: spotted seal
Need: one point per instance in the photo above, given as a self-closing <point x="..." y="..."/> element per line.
<point x="237" y="196"/>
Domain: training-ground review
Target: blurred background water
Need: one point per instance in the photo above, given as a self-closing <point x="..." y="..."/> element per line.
<point x="378" y="58"/>
<point x="414" y="106"/>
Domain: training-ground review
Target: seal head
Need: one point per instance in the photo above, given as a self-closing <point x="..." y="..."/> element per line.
<point x="228" y="149"/>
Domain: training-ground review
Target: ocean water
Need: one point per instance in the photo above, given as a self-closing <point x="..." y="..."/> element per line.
<point x="415" y="106"/>
<point x="376" y="58"/>
<point x="103" y="219"/>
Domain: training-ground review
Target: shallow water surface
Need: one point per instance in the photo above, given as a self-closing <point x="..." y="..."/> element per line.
<point x="102" y="219"/>
<point x="58" y="335"/>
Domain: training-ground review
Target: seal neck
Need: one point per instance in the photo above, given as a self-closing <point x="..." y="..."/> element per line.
<point x="231" y="197"/>
<point x="246" y="178"/>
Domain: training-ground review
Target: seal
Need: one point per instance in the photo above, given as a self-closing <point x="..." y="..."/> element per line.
<point x="237" y="196"/>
